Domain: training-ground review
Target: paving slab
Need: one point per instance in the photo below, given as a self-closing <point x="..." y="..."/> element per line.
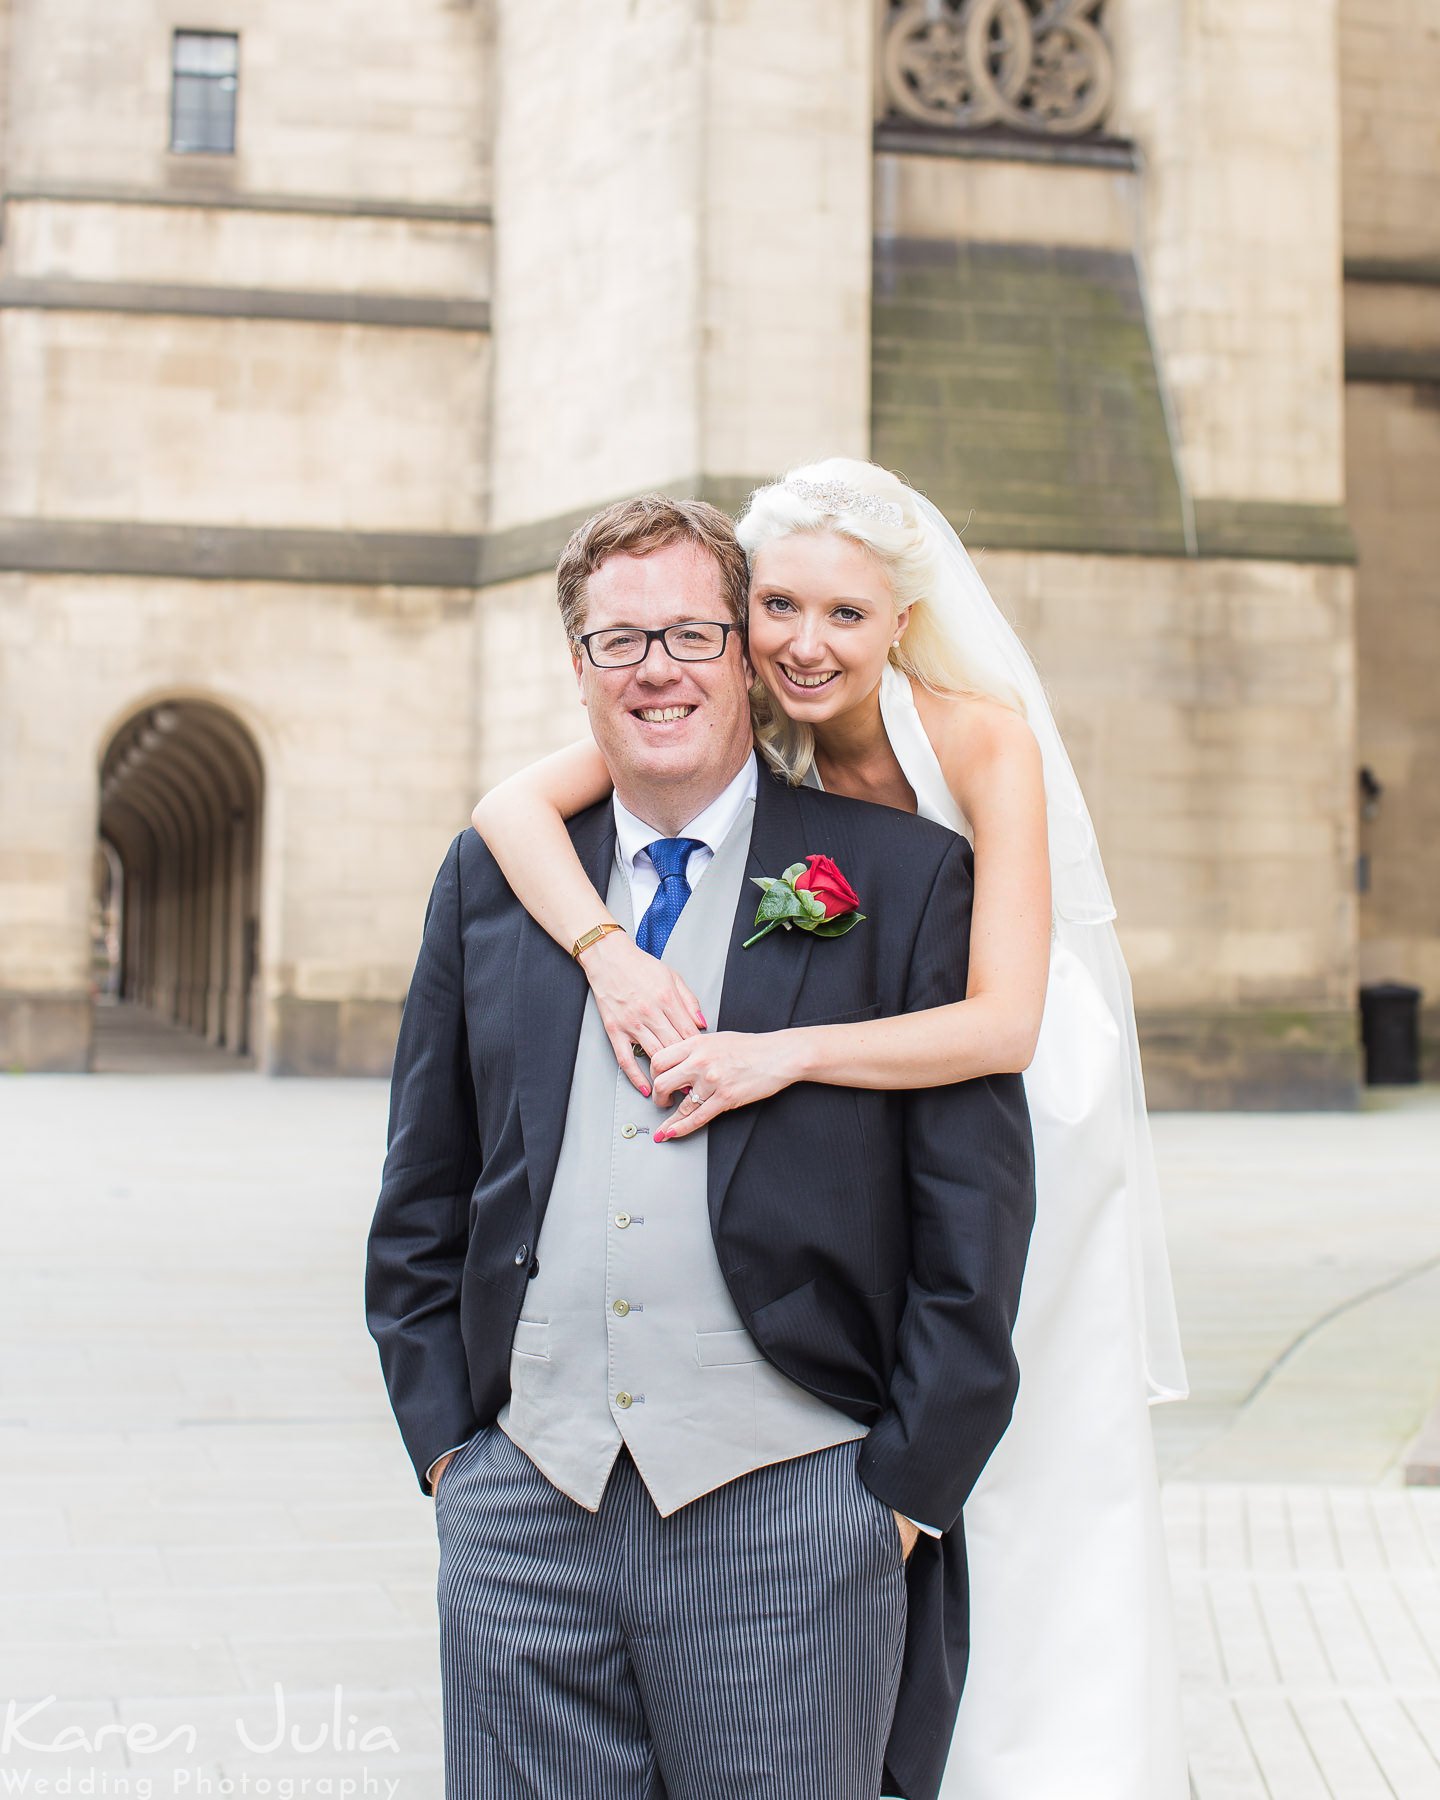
<point x="1310" y="1635"/>
<point x="1306" y="1252"/>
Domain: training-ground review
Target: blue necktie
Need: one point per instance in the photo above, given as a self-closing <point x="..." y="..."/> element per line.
<point x="669" y="855"/>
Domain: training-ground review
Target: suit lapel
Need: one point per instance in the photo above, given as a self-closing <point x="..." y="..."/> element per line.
<point x="762" y="983"/>
<point x="549" y="1004"/>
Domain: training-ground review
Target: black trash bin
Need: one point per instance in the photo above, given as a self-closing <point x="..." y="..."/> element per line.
<point x="1390" y="1031"/>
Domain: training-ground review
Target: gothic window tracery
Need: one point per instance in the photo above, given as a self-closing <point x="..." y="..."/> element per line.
<point x="1040" y="66"/>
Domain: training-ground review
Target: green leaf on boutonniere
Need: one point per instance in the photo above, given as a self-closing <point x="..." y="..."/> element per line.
<point x="838" y="927"/>
<point x="781" y="902"/>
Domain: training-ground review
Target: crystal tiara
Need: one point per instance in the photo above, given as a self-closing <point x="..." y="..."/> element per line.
<point x="836" y="497"/>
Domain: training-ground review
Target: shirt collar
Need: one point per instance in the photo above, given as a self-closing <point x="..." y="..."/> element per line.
<point x="711" y="826"/>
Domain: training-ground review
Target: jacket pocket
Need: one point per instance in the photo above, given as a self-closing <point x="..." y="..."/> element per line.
<point x="835" y="1341"/>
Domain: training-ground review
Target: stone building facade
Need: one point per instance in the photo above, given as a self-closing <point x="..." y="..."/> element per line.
<point x="294" y="427"/>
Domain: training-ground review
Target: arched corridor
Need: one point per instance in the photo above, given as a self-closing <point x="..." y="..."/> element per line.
<point x="178" y="886"/>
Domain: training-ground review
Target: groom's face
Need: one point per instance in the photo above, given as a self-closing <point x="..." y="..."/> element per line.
<point x="665" y="726"/>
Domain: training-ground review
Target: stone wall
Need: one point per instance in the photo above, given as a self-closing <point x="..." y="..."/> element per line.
<point x="243" y="421"/>
<point x="1390" y="75"/>
<point x="361" y="701"/>
<point x="1394" y="432"/>
<point x="1012" y="373"/>
<point x="682" y="277"/>
<point x="243" y="458"/>
<point x="261" y="248"/>
<point x="294" y="335"/>
<point x="529" y="700"/>
<point x="257" y="447"/>
<point x="1207" y="706"/>
<point x="786" y="161"/>
<point x="596" y="272"/>
<point x="1199" y="649"/>
<point x="1233" y="106"/>
<point x="339" y="100"/>
<point x="1016" y="381"/>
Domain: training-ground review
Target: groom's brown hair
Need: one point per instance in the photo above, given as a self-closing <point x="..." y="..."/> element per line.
<point x="639" y="527"/>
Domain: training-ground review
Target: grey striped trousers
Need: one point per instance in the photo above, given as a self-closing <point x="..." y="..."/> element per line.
<point x="748" y="1647"/>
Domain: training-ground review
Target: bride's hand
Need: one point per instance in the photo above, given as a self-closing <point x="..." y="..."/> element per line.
<point x="641" y="1001"/>
<point x="721" y="1071"/>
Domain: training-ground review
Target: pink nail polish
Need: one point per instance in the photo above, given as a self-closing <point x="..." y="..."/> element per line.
<point x="645" y="1092"/>
<point x="701" y="1018"/>
<point x="659" y="1137"/>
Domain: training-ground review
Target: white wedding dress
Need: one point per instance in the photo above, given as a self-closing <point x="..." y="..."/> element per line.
<point x="1073" y="1688"/>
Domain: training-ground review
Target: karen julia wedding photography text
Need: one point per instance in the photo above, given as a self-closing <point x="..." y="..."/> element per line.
<point x="40" y="1757"/>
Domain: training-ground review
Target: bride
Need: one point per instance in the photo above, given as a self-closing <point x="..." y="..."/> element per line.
<point x="884" y="671"/>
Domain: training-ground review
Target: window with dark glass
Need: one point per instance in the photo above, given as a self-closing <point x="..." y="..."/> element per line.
<point x="205" y="81"/>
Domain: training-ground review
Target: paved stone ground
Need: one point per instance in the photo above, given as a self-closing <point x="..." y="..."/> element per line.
<point x="1306" y="1250"/>
<point x="1310" y="1631"/>
<point x="1307" y="1577"/>
<point x="206" y="1516"/>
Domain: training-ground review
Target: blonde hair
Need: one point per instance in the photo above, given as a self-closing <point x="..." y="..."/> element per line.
<point x="895" y="534"/>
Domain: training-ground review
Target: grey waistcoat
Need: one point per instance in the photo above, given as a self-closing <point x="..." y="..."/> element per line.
<point x="629" y="1332"/>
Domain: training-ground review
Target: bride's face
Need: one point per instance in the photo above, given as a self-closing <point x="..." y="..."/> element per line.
<point x="822" y="620"/>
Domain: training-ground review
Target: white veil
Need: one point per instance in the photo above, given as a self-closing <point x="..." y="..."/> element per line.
<point x="964" y="611"/>
<point x="966" y="615"/>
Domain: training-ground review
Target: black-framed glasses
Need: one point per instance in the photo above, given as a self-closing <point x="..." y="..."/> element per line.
<point x="620" y="646"/>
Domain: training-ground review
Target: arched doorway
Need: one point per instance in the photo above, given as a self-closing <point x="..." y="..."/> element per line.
<point x="177" y="904"/>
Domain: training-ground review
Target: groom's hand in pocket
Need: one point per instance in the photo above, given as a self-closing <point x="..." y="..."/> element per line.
<point x="441" y="1465"/>
<point x="909" y="1535"/>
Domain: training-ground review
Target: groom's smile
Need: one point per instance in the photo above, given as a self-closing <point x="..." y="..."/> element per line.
<point x="662" y="695"/>
<point x="662" y="715"/>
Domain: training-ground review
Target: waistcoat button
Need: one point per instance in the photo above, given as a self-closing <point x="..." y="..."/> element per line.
<point x="622" y="1399"/>
<point x="622" y="1220"/>
<point x="621" y="1307"/>
<point x="627" y="1131"/>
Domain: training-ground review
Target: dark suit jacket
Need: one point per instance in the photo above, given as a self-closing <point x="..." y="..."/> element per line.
<point x="873" y="1242"/>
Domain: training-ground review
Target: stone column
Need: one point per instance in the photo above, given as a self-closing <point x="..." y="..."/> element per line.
<point x="680" y="292"/>
<point x="682" y="246"/>
<point x="237" y="983"/>
<point x="215" y="873"/>
<point x="1234" y="104"/>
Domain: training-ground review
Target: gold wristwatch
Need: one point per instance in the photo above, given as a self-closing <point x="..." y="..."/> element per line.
<point x="593" y="936"/>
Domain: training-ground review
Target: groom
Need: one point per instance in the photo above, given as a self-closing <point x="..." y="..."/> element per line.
<point x="682" y="1400"/>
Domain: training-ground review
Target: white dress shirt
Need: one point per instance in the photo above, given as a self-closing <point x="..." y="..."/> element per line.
<point x="709" y="828"/>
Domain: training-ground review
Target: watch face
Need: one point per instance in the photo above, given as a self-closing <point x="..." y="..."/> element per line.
<point x="593" y="936"/>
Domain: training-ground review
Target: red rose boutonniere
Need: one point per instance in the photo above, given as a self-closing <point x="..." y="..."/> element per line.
<point x="810" y="896"/>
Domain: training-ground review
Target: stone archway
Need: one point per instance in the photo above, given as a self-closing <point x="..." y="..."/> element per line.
<point x="181" y="793"/>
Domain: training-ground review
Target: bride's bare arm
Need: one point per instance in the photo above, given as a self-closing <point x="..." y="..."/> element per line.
<point x="992" y="763"/>
<point x="522" y="821"/>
